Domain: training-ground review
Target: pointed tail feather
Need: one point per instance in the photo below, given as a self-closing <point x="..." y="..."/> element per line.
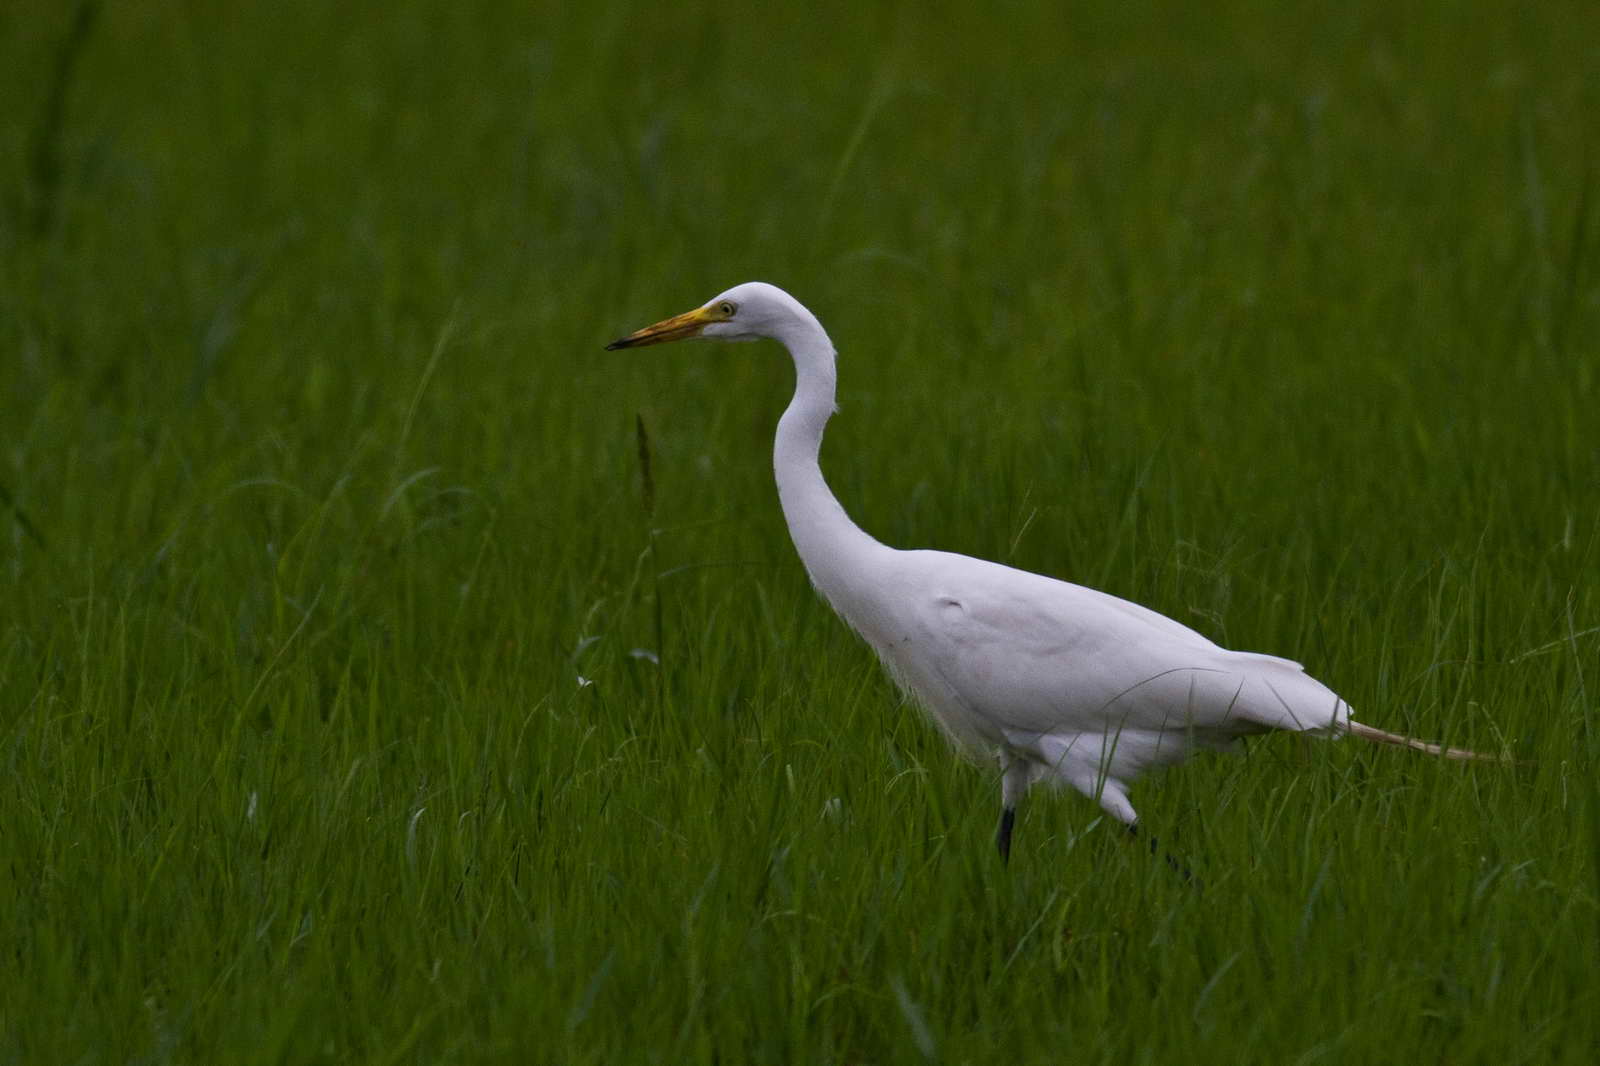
<point x="1378" y="736"/>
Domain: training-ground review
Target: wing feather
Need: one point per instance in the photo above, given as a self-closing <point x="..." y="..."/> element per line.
<point x="1021" y="653"/>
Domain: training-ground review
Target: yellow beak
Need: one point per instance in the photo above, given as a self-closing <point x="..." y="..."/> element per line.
<point x="676" y="328"/>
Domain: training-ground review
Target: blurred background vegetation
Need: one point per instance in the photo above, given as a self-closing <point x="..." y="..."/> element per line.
<point x="357" y="704"/>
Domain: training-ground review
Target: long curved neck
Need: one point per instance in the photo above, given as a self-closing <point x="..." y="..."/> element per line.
<point x="828" y="542"/>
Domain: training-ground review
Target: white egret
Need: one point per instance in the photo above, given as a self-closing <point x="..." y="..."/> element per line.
<point x="1065" y="684"/>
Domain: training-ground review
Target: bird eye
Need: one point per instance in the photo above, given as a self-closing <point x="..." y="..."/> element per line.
<point x="727" y="308"/>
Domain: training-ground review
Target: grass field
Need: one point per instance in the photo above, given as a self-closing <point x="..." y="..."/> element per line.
<point x="361" y="701"/>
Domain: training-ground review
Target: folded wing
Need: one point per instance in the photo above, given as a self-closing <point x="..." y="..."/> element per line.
<point x="1027" y="655"/>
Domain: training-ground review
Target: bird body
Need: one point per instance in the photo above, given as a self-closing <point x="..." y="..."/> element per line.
<point x="1069" y="685"/>
<point x="1066" y="684"/>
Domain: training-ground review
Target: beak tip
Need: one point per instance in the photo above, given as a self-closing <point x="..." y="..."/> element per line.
<point x="614" y="345"/>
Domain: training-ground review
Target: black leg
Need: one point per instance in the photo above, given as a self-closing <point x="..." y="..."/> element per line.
<point x="1177" y="866"/>
<point x="1002" y="838"/>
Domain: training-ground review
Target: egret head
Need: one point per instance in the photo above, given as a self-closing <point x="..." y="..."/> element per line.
<point x="744" y="313"/>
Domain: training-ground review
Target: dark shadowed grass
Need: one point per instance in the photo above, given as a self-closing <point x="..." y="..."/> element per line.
<point x="357" y="704"/>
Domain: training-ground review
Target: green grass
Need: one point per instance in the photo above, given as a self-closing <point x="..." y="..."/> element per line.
<point x="320" y="498"/>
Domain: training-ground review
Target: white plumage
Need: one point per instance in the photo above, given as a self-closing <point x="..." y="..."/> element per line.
<point x="1066" y="684"/>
